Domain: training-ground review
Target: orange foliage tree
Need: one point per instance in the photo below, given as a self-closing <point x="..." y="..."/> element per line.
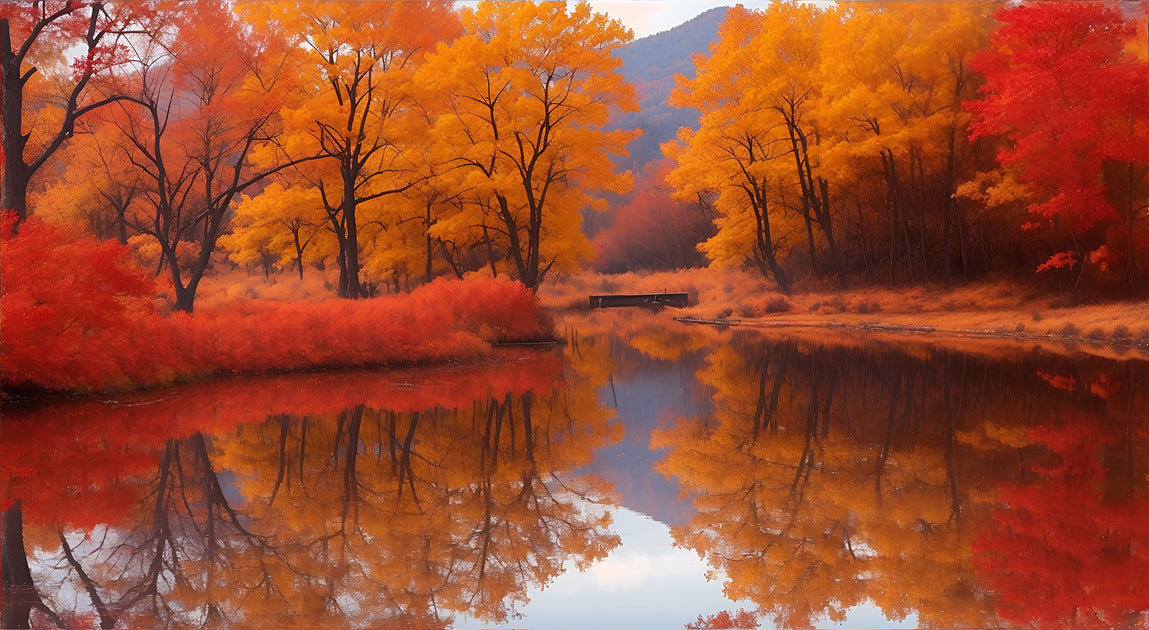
<point x="202" y="97"/>
<point x="359" y="111"/>
<point x="831" y="134"/>
<point x="756" y="147"/>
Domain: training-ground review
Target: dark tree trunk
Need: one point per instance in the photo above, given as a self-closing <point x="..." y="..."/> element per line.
<point x="490" y="253"/>
<point x="514" y="248"/>
<point x="451" y="260"/>
<point x="947" y="208"/>
<point x="350" y="241"/>
<point x="20" y="595"/>
<point x="765" y="243"/>
<point x="298" y="252"/>
<point x="14" y="188"/>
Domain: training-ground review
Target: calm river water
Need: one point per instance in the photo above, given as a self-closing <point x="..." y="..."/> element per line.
<point x="643" y="475"/>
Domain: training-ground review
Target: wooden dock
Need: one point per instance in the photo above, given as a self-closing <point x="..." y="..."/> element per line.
<point x="677" y="300"/>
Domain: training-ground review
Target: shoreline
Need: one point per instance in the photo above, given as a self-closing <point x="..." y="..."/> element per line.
<point x="958" y="339"/>
<point x="987" y="312"/>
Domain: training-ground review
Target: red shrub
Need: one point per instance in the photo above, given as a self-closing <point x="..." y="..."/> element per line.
<point x="69" y="308"/>
<point x="78" y="316"/>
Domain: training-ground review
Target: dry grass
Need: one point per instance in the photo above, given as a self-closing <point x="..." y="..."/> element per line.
<point x="222" y="287"/>
<point x="980" y="310"/>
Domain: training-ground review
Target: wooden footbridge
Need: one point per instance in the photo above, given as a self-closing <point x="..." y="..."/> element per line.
<point x="677" y="300"/>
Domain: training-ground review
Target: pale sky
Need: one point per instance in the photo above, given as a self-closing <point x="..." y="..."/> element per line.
<point x="647" y="17"/>
<point x="647" y="583"/>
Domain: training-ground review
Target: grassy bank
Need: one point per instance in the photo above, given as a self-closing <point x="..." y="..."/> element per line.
<point x="51" y="345"/>
<point x="983" y="310"/>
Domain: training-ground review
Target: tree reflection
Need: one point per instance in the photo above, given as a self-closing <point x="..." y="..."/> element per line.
<point x="1069" y="548"/>
<point x="830" y="476"/>
<point x="369" y="515"/>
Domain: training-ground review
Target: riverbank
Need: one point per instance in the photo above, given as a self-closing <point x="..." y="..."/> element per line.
<point x="54" y="346"/>
<point x="984" y="311"/>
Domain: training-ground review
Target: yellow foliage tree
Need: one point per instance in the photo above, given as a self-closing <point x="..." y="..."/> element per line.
<point x="101" y="186"/>
<point x="356" y="109"/>
<point x="757" y="144"/>
<point x="894" y="76"/>
<point x="525" y="93"/>
<point x="279" y="226"/>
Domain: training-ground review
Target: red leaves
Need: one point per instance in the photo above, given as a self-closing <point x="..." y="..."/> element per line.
<point x="1067" y="94"/>
<point x="1059" y="260"/>
<point x="440" y="321"/>
<point x="77" y="315"/>
<point x="78" y="462"/>
<point x="1068" y="549"/>
<point x="65" y="306"/>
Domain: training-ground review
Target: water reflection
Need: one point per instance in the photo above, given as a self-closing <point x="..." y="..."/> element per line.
<point x="820" y="477"/>
<point x="970" y="491"/>
<point x="397" y="512"/>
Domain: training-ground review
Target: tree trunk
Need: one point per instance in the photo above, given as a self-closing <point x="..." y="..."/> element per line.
<point x="20" y="594"/>
<point x="916" y="157"/>
<point x="534" y="239"/>
<point x="14" y="188"/>
<point x="758" y="204"/>
<point x="515" y="249"/>
<point x="490" y="253"/>
<point x="828" y="229"/>
<point x="351" y="243"/>
<point x="185" y="297"/>
<point x="428" y="270"/>
<point x="450" y="260"/>
<point x="298" y="253"/>
<point x="947" y="209"/>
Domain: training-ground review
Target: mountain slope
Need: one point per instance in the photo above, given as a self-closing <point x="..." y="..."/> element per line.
<point x="650" y="64"/>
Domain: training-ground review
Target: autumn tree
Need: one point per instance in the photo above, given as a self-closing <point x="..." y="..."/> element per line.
<point x="894" y="79"/>
<point x="203" y="97"/>
<point x="357" y="113"/>
<point x="41" y="100"/>
<point x="1065" y="90"/>
<point x="279" y="226"/>
<point x="757" y="141"/>
<point x="94" y="185"/>
<point x="528" y="89"/>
